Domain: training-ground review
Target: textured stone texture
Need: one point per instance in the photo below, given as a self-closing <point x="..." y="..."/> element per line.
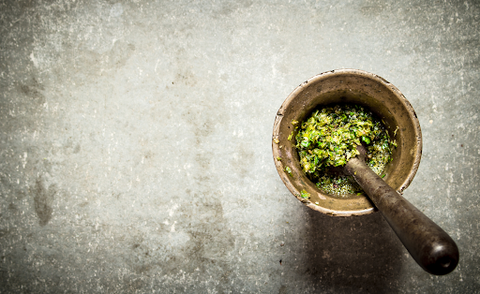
<point x="136" y="144"/>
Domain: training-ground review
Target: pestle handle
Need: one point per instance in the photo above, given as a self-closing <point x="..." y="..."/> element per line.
<point x="431" y="247"/>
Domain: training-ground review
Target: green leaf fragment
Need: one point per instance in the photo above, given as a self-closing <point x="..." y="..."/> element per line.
<point x="290" y="136"/>
<point x="304" y="194"/>
<point x="366" y="139"/>
<point x="288" y="170"/>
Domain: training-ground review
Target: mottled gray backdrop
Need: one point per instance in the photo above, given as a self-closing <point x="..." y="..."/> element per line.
<point x="135" y="144"/>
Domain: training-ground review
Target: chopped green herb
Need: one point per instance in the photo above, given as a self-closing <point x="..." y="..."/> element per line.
<point x="290" y="136"/>
<point x="279" y="158"/>
<point x="329" y="138"/>
<point x="304" y="194"/>
<point x="366" y="139"/>
<point x="395" y="132"/>
<point x="288" y="170"/>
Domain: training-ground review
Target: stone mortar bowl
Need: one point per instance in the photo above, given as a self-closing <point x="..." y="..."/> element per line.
<point x="355" y="87"/>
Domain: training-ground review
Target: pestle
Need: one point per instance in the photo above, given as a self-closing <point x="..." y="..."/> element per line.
<point x="429" y="245"/>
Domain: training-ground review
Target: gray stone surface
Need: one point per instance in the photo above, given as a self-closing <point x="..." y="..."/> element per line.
<point x="136" y="144"/>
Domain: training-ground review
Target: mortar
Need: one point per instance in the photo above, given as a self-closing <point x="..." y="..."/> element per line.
<point x="355" y="87"/>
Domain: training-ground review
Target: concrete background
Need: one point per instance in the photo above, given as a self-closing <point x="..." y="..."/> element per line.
<point x="136" y="144"/>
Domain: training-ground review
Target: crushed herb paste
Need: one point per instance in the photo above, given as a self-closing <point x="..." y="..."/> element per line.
<point x="329" y="138"/>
